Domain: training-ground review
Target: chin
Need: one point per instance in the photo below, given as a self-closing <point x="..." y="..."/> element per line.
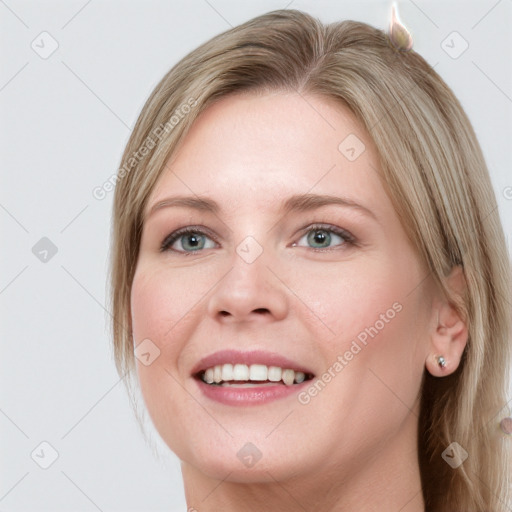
<point x="225" y="467"/>
<point x="263" y="460"/>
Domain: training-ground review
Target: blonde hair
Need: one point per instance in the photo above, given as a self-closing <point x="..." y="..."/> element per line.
<point x="434" y="172"/>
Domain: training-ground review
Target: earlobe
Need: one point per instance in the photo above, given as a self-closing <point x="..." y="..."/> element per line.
<point x="449" y="333"/>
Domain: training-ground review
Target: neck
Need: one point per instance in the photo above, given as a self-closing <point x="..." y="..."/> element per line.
<point x="388" y="481"/>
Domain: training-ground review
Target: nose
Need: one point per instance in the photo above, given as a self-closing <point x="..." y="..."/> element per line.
<point x="249" y="292"/>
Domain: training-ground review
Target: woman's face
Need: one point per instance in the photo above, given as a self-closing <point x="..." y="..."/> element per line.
<point x="280" y="273"/>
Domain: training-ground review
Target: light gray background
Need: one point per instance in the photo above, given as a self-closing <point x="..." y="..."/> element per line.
<point x="64" y="121"/>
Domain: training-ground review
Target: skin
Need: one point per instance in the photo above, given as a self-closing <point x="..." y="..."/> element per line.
<point x="353" y="446"/>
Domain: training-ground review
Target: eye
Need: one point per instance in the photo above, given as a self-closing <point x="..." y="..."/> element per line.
<point x="192" y="239"/>
<point x="188" y="240"/>
<point x="322" y="236"/>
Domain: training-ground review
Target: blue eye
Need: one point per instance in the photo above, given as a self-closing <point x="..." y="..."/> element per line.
<point x="321" y="237"/>
<point x="193" y="239"/>
<point x="190" y="239"/>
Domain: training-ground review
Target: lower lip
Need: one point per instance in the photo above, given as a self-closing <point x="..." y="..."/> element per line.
<point x="232" y="395"/>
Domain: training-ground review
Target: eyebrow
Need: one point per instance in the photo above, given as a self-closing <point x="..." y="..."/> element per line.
<point x="296" y="203"/>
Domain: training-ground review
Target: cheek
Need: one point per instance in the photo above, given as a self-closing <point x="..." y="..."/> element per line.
<point x="373" y="311"/>
<point x="380" y="326"/>
<point x="148" y="306"/>
<point x="167" y="305"/>
<point x="155" y="317"/>
<point x="163" y="304"/>
<point x="373" y="350"/>
<point x="346" y="299"/>
<point x="157" y="309"/>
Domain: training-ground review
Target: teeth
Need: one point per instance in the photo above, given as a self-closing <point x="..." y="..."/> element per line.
<point x="227" y="372"/>
<point x="274" y="373"/>
<point x="241" y="372"/>
<point x="224" y="374"/>
<point x="288" y="376"/>
<point x="246" y="384"/>
<point x="299" y="377"/>
<point x="258" y="372"/>
<point x="208" y="376"/>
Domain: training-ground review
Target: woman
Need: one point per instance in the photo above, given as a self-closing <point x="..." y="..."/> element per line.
<point x="309" y="276"/>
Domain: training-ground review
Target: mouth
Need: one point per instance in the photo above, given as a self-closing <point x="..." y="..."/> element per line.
<point x="254" y="375"/>
<point x="255" y="368"/>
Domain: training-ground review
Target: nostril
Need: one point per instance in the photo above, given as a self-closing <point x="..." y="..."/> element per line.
<point x="258" y="310"/>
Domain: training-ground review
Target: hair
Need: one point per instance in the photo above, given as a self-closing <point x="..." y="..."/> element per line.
<point x="434" y="172"/>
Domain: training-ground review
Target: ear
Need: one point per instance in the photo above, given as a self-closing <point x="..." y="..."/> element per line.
<point x="449" y="331"/>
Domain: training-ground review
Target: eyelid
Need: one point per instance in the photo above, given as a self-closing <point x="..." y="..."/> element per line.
<point x="347" y="236"/>
<point x="171" y="238"/>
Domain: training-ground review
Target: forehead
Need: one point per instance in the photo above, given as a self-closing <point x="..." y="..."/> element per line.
<point x="247" y="149"/>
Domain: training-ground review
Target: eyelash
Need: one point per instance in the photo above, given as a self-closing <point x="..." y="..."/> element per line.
<point x="348" y="238"/>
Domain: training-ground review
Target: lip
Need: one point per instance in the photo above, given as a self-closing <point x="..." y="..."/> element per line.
<point x="256" y="395"/>
<point x="248" y="358"/>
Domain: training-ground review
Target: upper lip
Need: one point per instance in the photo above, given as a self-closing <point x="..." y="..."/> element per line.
<point x="248" y="358"/>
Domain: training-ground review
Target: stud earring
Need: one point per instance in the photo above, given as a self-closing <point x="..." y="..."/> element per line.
<point x="506" y="425"/>
<point x="441" y="361"/>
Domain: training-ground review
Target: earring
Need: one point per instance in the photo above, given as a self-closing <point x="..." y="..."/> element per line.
<point x="441" y="361"/>
<point x="506" y="425"/>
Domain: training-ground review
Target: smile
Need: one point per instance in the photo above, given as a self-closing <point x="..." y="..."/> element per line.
<point x="249" y="378"/>
<point x="239" y="374"/>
